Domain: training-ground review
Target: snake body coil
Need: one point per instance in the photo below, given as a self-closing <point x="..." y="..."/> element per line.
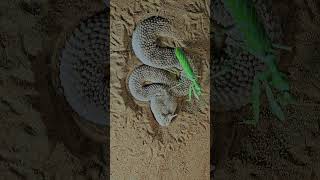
<point x="151" y="81"/>
<point x="83" y="68"/>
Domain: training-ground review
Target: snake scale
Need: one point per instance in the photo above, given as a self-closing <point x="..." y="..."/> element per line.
<point x="83" y="72"/>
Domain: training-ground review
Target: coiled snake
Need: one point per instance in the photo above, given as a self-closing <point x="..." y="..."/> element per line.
<point x="84" y="58"/>
<point x="151" y="81"/>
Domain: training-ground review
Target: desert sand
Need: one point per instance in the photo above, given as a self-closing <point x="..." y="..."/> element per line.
<point x="140" y="148"/>
<point x="40" y="139"/>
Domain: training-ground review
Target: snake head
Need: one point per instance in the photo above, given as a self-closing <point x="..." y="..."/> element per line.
<point x="163" y="108"/>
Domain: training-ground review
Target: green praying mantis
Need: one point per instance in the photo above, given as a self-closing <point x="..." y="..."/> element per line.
<point x="195" y="87"/>
<point x="258" y="43"/>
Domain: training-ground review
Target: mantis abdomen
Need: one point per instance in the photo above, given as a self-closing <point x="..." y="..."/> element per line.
<point x="255" y="37"/>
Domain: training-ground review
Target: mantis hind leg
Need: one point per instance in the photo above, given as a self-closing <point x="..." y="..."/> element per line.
<point x="194" y="92"/>
<point x="255" y="100"/>
<point x="190" y="93"/>
<point x="273" y="104"/>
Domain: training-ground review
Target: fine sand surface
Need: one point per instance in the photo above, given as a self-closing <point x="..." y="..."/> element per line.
<point x="140" y="148"/>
